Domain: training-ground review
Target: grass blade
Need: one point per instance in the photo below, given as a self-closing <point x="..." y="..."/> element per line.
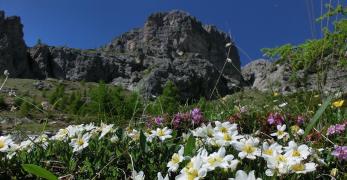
<point x="317" y="116"/>
<point x="39" y="171"/>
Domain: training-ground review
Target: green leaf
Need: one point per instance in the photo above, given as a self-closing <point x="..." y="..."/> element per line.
<point x="142" y="141"/>
<point x="317" y="116"/>
<point x="189" y="148"/>
<point x="39" y="171"/>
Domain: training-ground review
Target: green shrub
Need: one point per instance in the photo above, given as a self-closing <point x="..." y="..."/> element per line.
<point x="306" y="55"/>
<point x="18" y="101"/>
<point x="25" y="109"/>
<point x="168" y="102"/>
<point x="57" y="94"/>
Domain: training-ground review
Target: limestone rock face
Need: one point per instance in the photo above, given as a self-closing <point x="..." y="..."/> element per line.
<point x="13" y="56"/>
<point x="265" y="75"/>
<point x="171" y="46"/>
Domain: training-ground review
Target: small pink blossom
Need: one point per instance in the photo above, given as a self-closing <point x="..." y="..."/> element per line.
<point x="336" y="129"/>
<point x="340" y="152"/>
<point x="196" y="116"/>
<point x="275" y="118"/>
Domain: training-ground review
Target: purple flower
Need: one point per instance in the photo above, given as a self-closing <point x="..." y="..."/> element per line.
<point x="336" y="129"/>
<point x="300" y="120"/>
<point x="159" y="120"/>
<point x="275" y="118"/>
<point x="196" y="115"/>
<point x="177" y="120"/>
<point x="340" y="152"/>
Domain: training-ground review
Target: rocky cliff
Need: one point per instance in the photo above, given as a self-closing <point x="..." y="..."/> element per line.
<point x="171" y="46"/>
<point x="265" y="75"/>
<point x="13" y="56"/>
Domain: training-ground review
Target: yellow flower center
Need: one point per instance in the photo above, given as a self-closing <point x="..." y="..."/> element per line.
<point x="80" y="142"/>
<point x="295" y="128"/>
<point x="65" y="131"/>
<point x="279" y="133"/>
<point x="223" y="129"/>
<point x="2" y="144"/>
<point x="248" y="149"/>
<point x="175" y="158"/>
<point x="281" y="158"/>
<point x="192" y="174"/>
<point x="298" y="167"/>
<point x="214" y="160"/>
<point x="189" y="165"/>
<point x="296" y="153"/>
<point x="268" y="152"/>
<point x="161" y="133"/>
<point x="210" y="133"/>
<point x="227" y="137"/>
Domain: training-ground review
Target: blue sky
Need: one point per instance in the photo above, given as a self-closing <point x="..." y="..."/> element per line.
<point x="254" y="24"/>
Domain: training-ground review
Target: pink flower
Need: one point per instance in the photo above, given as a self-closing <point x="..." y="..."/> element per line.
<point x="300" y="120"/>
<point x="177" y="120"/>
<point x="340" y="152"/>
<point x="336" y="129"/>
<point x="159" y="120"/>
<point x="275" y="118"/>
<point x="196" y="116"/>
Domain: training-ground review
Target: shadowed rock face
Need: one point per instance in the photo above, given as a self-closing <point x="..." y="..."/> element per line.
<point x="13" y="55"/>
<point x="171" y="46"/>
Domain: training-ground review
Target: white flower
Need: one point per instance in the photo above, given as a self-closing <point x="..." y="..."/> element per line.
<point x="133" y="134"/>
<point x="270" y="150"/>
<point x="296" y="130"/>
<point x="242" y="175"/>
<point x="12" y="93"/>
<point x="163" y="134"/>
<point x="45" y="105"/>
<point x="61" y="135"/>
<point x="204" y="131"/>
<point x="277" y="162"/>
<point x="13" y="108"/>
<point x="90" y="127"/>
<point x="225" y="127"/>
<point x="185" y="136"/>
<point x="5" y="143"/>
<point x="218" y="159"/>
<point x="6" y="73"/>
<point x="43" y="140"/>
<point x="297" y="152"/>
<point x="283" y="104"/>
<point x="280" y="132"/>
<point x="300" y="168"/>
<point x="138" y="175"/>
<point x="12" y="151"/>
<point x="80" y="142"/>
<point x="175" y="160"/>
<point x="160" y="177"/>
<point x="248" y="148"/>
<point x="27" y="145"/>
<point x="74" y="130"/>
<point x="105" y="129"/>
<point x="149" y="136"/>
<point x="194" y="169"/>
<point x="227" y="138"/>
<point x="114" y="139"/>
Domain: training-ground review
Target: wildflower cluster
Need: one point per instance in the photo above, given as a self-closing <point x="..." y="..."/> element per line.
<point x="188" y="147"/>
